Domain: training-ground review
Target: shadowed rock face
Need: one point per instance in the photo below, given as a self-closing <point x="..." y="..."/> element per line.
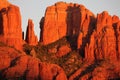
<point x="10" y="25"/>
<point x="31" y="38"/>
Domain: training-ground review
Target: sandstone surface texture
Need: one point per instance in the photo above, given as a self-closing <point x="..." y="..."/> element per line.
<point x="10" y="25"/>
<point x="31" y="38"/>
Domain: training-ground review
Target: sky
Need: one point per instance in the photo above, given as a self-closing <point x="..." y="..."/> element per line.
<point x="35" y="9"/>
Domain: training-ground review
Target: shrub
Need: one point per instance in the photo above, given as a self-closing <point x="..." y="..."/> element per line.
<point x="27" y="48"/>
<point x="70" y="62"/>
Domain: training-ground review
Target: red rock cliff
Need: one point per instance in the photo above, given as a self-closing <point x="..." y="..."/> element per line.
<point x="64" y="19"/>
<point x="95" y="37"/>
<point x="4" y="4"/>
<point x="31" y="38"/>
<point x="104" y="41"/>
<point x="10" y="25"/>
<point x="15" y="66"/>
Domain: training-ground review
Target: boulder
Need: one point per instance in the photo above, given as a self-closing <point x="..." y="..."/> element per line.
<point x="63" y="50"/>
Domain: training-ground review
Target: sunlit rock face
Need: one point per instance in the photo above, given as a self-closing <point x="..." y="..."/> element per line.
<point x="10" y="25"/>
<point x="104" y="41"/>
<point x="4" y="4"/>
<point x="96" y="37"/>
<point x="65" y="19"/>
<point x="70" y="33"/>
<point x="31" y="38"/>
<point x="16" y="65"/>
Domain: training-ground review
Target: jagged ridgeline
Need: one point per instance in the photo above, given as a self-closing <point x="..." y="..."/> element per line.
<point x="96" y="37"/>
<point x="74" y="44"/>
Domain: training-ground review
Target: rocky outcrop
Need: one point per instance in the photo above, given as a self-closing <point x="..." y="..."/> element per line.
<point x="117" y="32"/>
<point x="75" y="19"/>
<point x="4" y="4"/>
<point x="104" y="42"/>
<point x="95" y="37"/>
<point x="16" y="65"/>
<point x="10" y="25"/>
<point x="97" y="71"/>
<point x="50" y="72"/>
<point x="62" y="51"/>
<point x="31" y="38"/>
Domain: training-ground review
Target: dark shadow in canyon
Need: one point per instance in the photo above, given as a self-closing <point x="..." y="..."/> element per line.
<point x="86" y="39"/>
<point x="117" y="41"/>
<point x="74" y="27"/>
<point x="89" y="69"/>
<point x="1" y="20"/>
<point x="41" y="28"/>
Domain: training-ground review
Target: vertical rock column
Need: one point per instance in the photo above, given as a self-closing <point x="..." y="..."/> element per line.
<point x="10" y="26"/>
<point x="103" y="40"/>
<point x="31" y="38"/>
<point x="118" y="40"/>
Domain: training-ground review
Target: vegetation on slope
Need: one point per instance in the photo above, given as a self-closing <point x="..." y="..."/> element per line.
<point x="70" y="62"/>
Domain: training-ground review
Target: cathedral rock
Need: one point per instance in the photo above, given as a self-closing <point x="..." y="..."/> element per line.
<point x="85" y="46"/>
<point x="63" y="19"/>
<point x="96" y="37"/>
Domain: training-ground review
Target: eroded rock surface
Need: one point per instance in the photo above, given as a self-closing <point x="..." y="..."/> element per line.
<point x="63" y="19"/>
<point x="15" y="65"/>
<point x="31" y="38"/>
<point x="95" y="37"/>
<point x="104" y="42"/>
<point x="10" y="25"/>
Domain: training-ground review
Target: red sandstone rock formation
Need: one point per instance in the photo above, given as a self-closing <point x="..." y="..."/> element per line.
<point x="4" y="4"/>
<point x="10" y="25"/>
<point x="97" y="71"/>
<point x="31" y="38"/>
<point x="62" y="51"/>
<point x="95" y="37"/>
<point x="118" y="39"/>
<point x="104" y="42"/>
<point x="64" y="19"/>
<point x="15" y="65"/>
